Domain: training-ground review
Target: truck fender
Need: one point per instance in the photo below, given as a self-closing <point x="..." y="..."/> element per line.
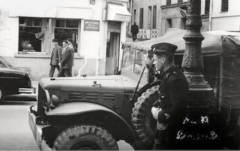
<point x="78" y="108"/>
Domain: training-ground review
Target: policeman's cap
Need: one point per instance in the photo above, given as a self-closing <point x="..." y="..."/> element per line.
<point x="164" y="48"/>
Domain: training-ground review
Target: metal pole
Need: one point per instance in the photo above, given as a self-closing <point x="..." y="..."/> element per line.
<point x="193" y="61"/>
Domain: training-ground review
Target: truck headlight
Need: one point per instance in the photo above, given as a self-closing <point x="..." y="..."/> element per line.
<point x="54" y="100"/>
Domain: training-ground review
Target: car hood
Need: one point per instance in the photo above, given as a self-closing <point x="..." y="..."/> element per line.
<point x="114" y="84"/>
<point x="12" y="71"/>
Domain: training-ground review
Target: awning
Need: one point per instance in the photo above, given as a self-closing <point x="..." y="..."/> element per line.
<point x="54" y="12"/>
<point x="118" y="13"/>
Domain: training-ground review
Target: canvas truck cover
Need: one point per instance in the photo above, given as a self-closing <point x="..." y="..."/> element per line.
<point x="222" y="44"/>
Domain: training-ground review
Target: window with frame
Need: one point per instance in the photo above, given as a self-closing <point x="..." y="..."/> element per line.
<point x="65" y="29"/>
<point x="169" y="23"/>
<point x="31" y="33"/>
<point x="141" y="18"/>
<point x="224" y="7"/>
<point x="154" y="17"/>
<point x="169" y="2"/>
<point x="207" y="6"/>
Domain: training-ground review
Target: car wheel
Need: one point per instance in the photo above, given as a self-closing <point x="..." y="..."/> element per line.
<point x="142" y="119"/>
<point x="85" y="137"/>
<point x="1" y="94"/>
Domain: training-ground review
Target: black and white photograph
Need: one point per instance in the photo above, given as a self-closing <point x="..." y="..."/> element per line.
<point x="119" y="75"/>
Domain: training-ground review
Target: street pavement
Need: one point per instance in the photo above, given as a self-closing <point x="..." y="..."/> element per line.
<point x="15" y="133"/>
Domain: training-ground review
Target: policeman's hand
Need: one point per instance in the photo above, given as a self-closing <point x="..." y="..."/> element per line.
<point x="60" y="65"/>
<point x="155" y="112"/>
<point x="149" y="63"/>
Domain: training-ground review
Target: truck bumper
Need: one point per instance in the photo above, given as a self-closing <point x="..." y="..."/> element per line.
<point x="37" y="131"/>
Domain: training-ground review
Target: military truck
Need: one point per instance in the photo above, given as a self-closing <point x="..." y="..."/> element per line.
<point x="94" y="112"/>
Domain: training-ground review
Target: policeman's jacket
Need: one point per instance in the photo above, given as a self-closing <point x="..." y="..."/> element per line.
<point x="173" y="95"/>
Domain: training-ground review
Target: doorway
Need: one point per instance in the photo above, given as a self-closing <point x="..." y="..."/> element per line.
<point x="112" y="53"/>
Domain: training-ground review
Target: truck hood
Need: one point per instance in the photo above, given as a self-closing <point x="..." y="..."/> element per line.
<point x="113" y="83"/>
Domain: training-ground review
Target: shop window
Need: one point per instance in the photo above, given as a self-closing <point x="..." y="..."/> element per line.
<point x="169" y="2"/>
<point x="31" y="34"/>
<point x="224" y="7"/>
<point x="141" y="19"/>
<point x="66" y="28"/>
<point x="154" y="17"/>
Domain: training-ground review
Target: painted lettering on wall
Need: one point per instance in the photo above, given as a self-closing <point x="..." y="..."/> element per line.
<point x="91" y="25"/>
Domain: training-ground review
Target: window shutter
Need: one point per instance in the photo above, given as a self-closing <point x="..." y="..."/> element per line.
<point x="180" y="1"/>
<point x="141" y="18"/>
<point x="224" y="5"/>
<point x="207" y="6"/>
<point x="168" y="2"/>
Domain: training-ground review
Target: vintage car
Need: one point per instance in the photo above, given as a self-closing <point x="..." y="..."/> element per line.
<point x="13" y="80"/>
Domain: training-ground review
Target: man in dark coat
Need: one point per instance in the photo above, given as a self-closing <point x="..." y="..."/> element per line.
<point x="70" y="45"/>
<point x="134" y="31"/>
<point x="66" y="61"/>
<point x="55" y="58"/>
<point x="173" y="96"/>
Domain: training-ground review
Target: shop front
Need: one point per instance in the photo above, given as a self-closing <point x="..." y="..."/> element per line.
<point x="97" y="29"/>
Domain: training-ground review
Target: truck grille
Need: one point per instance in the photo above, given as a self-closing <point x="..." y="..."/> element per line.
<point x="78" y="96"/>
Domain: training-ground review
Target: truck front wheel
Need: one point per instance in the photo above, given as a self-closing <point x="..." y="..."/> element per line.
<point x="85" y="137"/>
<point x="142" y="118"/>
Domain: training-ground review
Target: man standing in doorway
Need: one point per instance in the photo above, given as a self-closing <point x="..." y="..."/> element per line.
<point x="173" y="96"/>
<point x="134" y="31"/>
<point x="66" y="61"/>
<point x="55" y="58"/>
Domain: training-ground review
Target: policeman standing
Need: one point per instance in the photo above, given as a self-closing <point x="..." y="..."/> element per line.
<point x="173" y="96"/>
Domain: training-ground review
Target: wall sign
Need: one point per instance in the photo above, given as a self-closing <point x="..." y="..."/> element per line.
<point x="91" y="25"/>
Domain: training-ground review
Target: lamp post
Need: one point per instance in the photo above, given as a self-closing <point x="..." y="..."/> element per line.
<point x="192" y="63"/>
<point x="197" y="132"/>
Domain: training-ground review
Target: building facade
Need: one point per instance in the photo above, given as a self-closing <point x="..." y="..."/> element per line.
<point x="225" y="15"/>
<point x="154" y="17"/>
<point x="147" y="15"/>
<point x="97" y="28"/>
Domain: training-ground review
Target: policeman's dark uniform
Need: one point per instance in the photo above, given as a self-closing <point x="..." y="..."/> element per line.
<point x="173" y="93"/>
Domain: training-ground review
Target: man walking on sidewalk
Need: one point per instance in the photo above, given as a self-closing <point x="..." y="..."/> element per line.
<point x="70" y="45"/>
<point x="134" y="31"/>
<point x="66" y="61"/>
<point x="55" y="58"/>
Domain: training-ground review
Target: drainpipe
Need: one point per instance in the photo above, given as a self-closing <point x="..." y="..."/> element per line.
<point x="131" y="21"/>
<point x="210" y="15"/>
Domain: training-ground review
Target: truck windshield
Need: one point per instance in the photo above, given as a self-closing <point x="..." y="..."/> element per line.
<point x="134" y="61"/>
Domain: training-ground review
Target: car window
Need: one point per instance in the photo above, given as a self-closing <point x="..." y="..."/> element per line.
<point x="2" y="65"/>
<point x="5" y="62"/>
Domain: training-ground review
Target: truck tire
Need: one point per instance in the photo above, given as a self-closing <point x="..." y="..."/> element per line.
<point x="2" y="93"/>
<point x="142" y="119"/>
<point x="85" y="137"/>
